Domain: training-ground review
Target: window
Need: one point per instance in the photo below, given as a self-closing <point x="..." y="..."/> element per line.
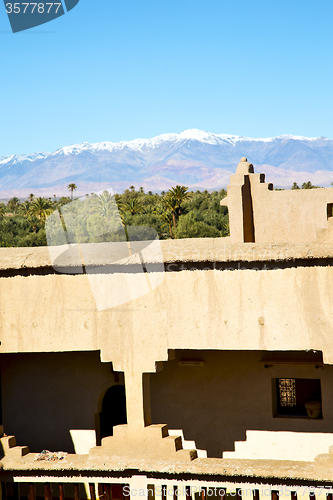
<point x="287" y="392"/>
<point x="291" y="394"/>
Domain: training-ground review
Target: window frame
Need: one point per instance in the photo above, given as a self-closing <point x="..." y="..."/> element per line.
<point x="298" y="382"/>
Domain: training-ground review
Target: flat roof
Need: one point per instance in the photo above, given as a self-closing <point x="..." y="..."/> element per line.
<point x="199" y="250"/>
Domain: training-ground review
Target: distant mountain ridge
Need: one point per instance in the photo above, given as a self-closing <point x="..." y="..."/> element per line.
<point x="195" y="158"/>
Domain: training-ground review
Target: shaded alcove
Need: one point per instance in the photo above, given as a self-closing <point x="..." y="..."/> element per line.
<point x="113" y="410"/>
<point x="216" y="396"/>
<point x="45" y="395"/>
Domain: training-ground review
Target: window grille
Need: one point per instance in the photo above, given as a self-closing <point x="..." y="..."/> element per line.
<point x="291" y="395"/>
<point x="287" y="391"/>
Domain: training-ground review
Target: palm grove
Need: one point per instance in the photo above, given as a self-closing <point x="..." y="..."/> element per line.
<point x="176" y="213"/>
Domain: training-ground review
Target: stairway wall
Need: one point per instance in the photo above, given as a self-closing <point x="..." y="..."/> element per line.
<point x="215" y="404"/>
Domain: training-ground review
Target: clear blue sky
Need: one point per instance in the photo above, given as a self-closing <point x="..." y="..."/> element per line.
<point x="122" y="69"/>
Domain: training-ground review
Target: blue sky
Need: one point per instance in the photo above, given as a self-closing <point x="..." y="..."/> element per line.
<point x="122" y="69"/>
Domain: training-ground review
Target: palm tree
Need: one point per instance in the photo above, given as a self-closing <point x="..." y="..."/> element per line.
<point x="180" y="194"/>
<point x="167" y="221"/>
<point x="171" y="205"/>
<point x="132" y="188"/>
<point x="31" y="197"/>
<point x="165" y="216"/>
<point x="105" y="204"/>
<point x="13" y="204"/>
<point x="41" y="208"/>
<point x="125" y="222"/>
<point x="71" y="187"/>
<point x="133" y="206"/>
<point x="24" y="208"/>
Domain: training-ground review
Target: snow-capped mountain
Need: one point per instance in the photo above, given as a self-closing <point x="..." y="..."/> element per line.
<point x="195" y="158"/>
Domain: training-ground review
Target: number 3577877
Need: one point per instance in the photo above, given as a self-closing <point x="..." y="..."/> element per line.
<point x="32" y="8"/>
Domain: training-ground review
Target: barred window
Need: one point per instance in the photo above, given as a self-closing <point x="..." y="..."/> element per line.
<point x="291" y="394"/>
<point x="287" y="391"/>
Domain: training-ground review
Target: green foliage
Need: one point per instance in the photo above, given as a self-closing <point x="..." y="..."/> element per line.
<point x="63" y="201"/>
<point x="309" y="185"/>
<point x="13" y="204"/>
<point x="176" y="213"/>
<point x="170" y="206"/>
<point x="179" y="195"/>
<point x="19" y="231"/>
<point x="40" y="208"/>
<point x="134" y="206"/>
<point x="190" y="227"/>
<point x="204" y="217"/>
<point x="24" y="208"/>
<point x="305" y="185"/>
<point x="150" y="219"/>
<point x="92" y="219"/>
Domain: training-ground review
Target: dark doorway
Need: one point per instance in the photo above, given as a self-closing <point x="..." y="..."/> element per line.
<point x="113" y="410"/>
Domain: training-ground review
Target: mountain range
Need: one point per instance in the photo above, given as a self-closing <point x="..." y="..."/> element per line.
<point x="195" y="158"/>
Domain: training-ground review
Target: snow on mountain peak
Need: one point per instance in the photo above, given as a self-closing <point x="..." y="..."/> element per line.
<point x="299" y="138"/>
<point x="199" y="135"/>
<point x="192" y="157"/>
<point x="14" y="159"/>
<point x="75" y="149"/>
<point x="140" y="144"/>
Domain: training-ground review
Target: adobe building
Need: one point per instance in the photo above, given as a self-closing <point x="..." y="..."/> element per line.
<point x="189" y="364"/>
